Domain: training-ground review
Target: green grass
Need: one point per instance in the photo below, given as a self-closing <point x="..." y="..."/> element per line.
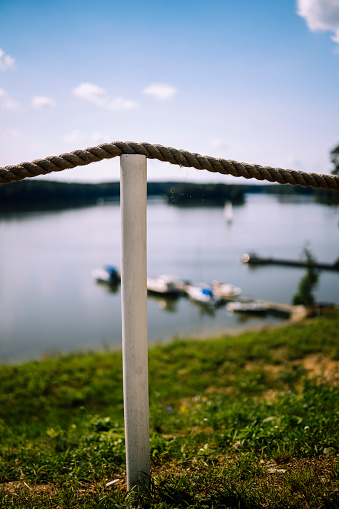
<point x="250" y="421"/>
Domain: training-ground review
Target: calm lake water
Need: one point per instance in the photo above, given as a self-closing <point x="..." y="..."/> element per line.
<point x="50" y="303"/>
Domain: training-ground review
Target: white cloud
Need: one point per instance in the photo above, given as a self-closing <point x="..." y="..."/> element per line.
<point x="11" y="132"/>
<point x="6" y="62"/>
<point x="97" y="95"/>
<point x="295" y="163"/>
<point x="217" y="143"/>
<point x="160" y="91"/>
<point x="42" y="102"/>
<point x="80" y="137"/>
<point x="321" y="15"/>
<point x="118" y="103"/>
<point x="75" y="136"/>
<point x="6" y="102"/>
<point x="97" y="138"/>
<point x="90" y="92"/>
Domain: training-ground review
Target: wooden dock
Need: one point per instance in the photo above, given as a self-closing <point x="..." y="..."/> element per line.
<point x="296" y="313"/>
<point x="253" y="259"/>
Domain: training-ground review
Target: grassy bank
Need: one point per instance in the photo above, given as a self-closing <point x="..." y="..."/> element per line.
<point x="240" y="422"/>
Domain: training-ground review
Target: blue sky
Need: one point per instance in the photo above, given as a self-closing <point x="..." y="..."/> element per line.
<point x="255" y="81"/>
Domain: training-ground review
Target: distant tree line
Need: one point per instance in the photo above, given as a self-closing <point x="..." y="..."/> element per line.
<point x="34" y="194"/>
<point x="326" y="196"/>
<point x="183" y="193"/>
<point x="43" y="194"/>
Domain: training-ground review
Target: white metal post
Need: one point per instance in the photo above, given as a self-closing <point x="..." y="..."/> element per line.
<point x="133" y="203"/>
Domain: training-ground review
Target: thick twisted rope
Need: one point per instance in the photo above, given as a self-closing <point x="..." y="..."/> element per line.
<point x="168" y="154"/>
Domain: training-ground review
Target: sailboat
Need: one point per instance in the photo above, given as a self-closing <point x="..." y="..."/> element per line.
<point x="228" y="212"/>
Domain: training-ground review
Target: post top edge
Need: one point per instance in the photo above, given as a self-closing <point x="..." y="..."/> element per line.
<point x="132" y="155"/>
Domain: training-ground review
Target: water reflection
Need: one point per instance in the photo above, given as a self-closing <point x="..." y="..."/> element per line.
<point x="110" y="287"/>
<point x="169" y="303"/>
<point x="49" y="300"/>
<point x="203" y="309"/>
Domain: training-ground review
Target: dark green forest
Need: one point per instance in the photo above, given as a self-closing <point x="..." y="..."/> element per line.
<point x="35" y="194"/>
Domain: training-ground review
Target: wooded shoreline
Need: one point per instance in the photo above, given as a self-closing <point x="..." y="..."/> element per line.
<point x="35" y="194"/>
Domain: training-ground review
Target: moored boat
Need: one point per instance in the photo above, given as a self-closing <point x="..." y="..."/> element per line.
<point x="202" y="293"/>
<point x="164" y="285"/>
<point x="225" y="291"/>
<point x="108" y="274"/>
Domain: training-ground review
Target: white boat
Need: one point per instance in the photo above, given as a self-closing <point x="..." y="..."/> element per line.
<point x="201" y="293"/>
<point x="164" y="285"/>
<point x="109" y="275"/>
<point x="225" y="291"/>
<point x="228" y="212"/>
<point x="246" y="307"/>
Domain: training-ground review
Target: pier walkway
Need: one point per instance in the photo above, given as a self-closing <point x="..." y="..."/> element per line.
<point x="253" y="259"/>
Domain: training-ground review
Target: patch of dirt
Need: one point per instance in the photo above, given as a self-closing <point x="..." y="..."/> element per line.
<point x="318" y="365"/>
<point x="18" y="487"/>
<point x="270" y="368"/>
